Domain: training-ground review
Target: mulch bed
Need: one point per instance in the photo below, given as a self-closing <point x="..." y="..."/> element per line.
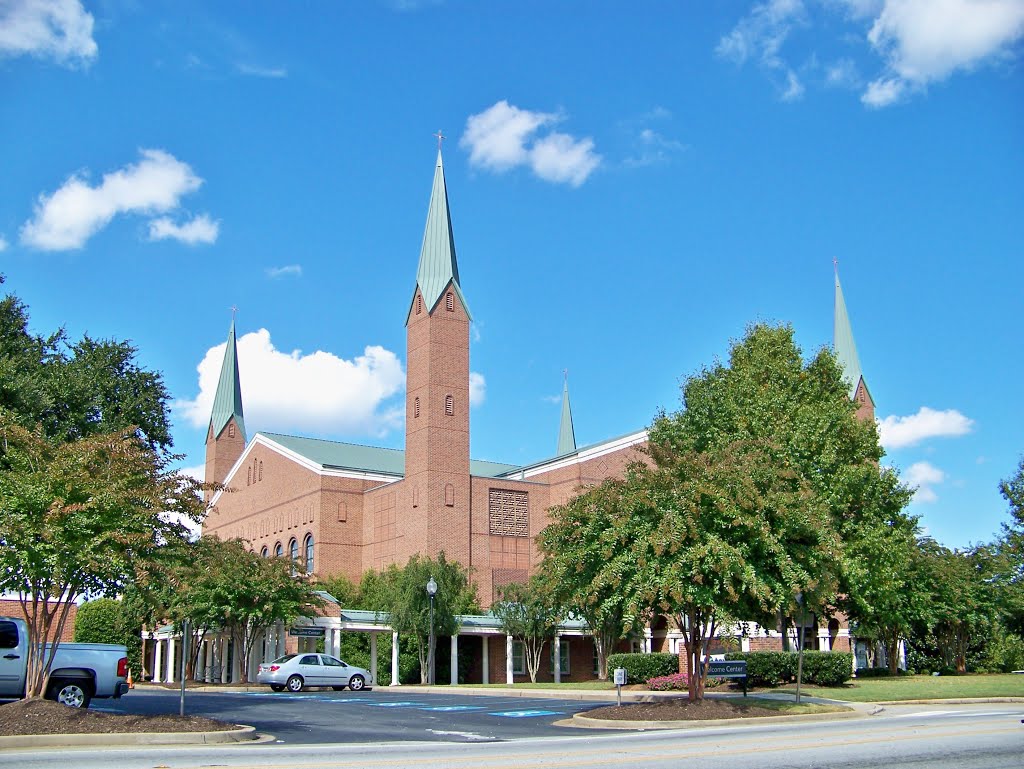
<point x="39" y="716"/>
<point x="680" y="710"/>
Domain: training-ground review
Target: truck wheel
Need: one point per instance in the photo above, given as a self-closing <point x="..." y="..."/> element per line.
<point x="355" y="683"/>
<point x="74" y="694"/>
<point x="295" y="684"/>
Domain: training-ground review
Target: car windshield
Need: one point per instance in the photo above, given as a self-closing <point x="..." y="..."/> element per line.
<point x="285" y="658"/>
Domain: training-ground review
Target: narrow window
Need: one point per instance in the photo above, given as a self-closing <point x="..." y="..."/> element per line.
<point x="231" y="430"/>
<point x="449" y="405"/>
<point x="518" y="658"/>
<point x="416" y="407"/>
<point x="419" y="303"/>
<point x="309" y="554"/>
<point x="261" y="471"/>
<point x="293" y="554"/>
<point x="248" y="478"/>
<point x="449" y="495"/>
<point x="278" y="550"/>
<point x="563" y="656"/>
<point x="449" y="302"/>
<point x="342" y="511"/>
<point x="264" y="552"/>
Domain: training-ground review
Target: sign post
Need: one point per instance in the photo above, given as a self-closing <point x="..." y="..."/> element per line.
<point x="620" y="681"/>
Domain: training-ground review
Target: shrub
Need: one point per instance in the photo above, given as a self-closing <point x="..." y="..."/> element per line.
<point x="674" y="682"/>
<point x="98" y="622"/>
<point x="827" y="668"/>
<point x="643" y="667"/>
<point x="875" y="672"/>
<point x="767" y="668"/>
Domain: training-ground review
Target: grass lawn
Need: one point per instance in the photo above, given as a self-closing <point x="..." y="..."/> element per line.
<point x="789" y="708"/>
<point x="922" y="688"/>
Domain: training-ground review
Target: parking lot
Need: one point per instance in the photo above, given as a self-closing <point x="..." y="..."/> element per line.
<point x="368" y="716"/>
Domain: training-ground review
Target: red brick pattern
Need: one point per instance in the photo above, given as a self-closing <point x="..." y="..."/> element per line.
<point x="12" y="608"/>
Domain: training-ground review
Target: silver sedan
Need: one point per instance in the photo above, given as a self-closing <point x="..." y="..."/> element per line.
<point x="295" y="672"/>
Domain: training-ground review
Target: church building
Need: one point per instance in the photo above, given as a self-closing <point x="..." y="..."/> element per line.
<point x="338" y="508"/>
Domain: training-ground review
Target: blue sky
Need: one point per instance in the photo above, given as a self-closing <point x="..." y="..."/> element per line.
<point x="631" y="185"/>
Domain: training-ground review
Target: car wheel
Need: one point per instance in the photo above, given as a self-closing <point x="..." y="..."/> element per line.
<point x="277" y="687"/>
<point x="295" y="683"/>
<point x="355" y="683"/>
<point x="74" y="694"/>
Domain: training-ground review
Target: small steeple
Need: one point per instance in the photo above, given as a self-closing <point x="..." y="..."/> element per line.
<point x="438" y="266"/>
<point x="845" y="348"/>
<point x="566" y="435"/>
<point x="227" y="403"/>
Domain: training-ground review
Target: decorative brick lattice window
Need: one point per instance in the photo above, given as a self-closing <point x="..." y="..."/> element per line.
<point x="449" y="495"/>
<point x="231" y="430"/>
<point x="449" y="405"/>
<point x="261" y="471"/>
<point x="508" y="512"/>
<point x="416" y="407"/>
<point x="419" y="303"/>
<point x="449" y="302"/>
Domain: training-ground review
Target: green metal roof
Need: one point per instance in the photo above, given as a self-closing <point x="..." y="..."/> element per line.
<point x="333" y="455"/>
<point x="438" y="266"/>
<point x="845" y="348"/>
<point x="227" y="402"/>
<point x="566" y="435"/>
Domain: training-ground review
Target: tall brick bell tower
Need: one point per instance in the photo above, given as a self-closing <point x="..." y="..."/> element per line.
<point x="437" y="486"/>
<point x="225" y="437"/>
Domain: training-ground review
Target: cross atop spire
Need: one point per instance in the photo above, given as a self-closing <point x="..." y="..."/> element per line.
<point x="440" y="138"/>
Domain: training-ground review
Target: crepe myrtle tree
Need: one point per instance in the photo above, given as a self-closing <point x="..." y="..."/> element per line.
<point x="527" y="613"/>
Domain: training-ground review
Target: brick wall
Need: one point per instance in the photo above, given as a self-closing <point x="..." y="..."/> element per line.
<point x="12" y="608"/>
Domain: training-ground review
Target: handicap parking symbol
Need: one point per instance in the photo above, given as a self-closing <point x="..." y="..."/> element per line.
<point x="524" y="713"/>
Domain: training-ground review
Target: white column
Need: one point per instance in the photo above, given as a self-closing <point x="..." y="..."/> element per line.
<point x="206" y="660"/>
<point x="509" y="678"/>
<point x="170" y="661"/>
<point x="236" y="665"/>
<point x="336" y="642"/>
<point x="455" y="659"/>
<point x="222" y="645"/>
<point x="373" y="657"/>
<point x="158" y="659"/>
<point x="648" y="637"/>
<point x="486" y="658"/>
<point x="557" y="651"/>
<point x="394" y="658"/>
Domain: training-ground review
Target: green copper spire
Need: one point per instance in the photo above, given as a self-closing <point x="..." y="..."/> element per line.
<point x="566" y="435"/>
<point x="438" y="265"/>
<point x="227" y="402"/>
<point x="845" y="349"/>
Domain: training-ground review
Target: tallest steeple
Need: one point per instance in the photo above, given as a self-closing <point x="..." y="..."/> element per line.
<point x="438" y="265"/>
<point x="225" y="437"/>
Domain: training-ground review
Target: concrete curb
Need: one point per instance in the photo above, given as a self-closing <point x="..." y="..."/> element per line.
<point x="954" y="701"/>
<point x="241" y="734"/>
<point x="582" y="721"/>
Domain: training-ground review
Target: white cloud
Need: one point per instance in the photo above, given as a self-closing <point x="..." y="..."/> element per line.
<point x="923" y="476"/>
<point x="3" y="243"/>
<point x="794" y="88"/>
<point x="842" y="74"/>
<point x="653" y="149"/>
<point x="897" y="432"/>
<point x="256" y="71"/>
<point x="316" y="392"/>
<point x="196" y="471"/>
<point x="201" y="229"/>
<point x="477" y="388"/>
<point x="55" y="29"/>
<point x="289" y="270"/>
<point x="925" y="41"/>
<point x="760" y="35"/>
<point x="76" y="211"/>
<point x="504" y="136"/>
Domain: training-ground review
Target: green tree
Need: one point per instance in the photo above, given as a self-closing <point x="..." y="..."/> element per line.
<point x="1006" y="556"/>
<point x="98" y="622"/>
<point x="408" y="605"/>
<point x="527" y="613"/>
<point x="228" y="587"/>
<point x="585" y="567"/>
<point x="81" y="518"/>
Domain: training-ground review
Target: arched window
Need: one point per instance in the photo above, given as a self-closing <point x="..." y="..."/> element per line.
<point x="264" y="552"/>
<point x="449" y="302"/>
<point x="278" y="550"/>
<point x="449" y="405"/>
<point x="416" y="407"/>
<point x="261" y="471"/>
<point x="309" y="554"/>
<point x="293" y="554"/>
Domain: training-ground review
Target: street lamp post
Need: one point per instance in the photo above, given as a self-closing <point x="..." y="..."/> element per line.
<point x="431" y="591"/>
<point x="799" y="643"/>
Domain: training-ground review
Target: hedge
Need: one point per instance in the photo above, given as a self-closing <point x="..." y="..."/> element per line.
<point x="643" y="667"/>
<point x="775" y="668"/>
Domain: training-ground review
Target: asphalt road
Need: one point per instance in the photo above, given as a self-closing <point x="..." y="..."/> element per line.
<point x="382" y="714"/>
<point x="953" y="737"/>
